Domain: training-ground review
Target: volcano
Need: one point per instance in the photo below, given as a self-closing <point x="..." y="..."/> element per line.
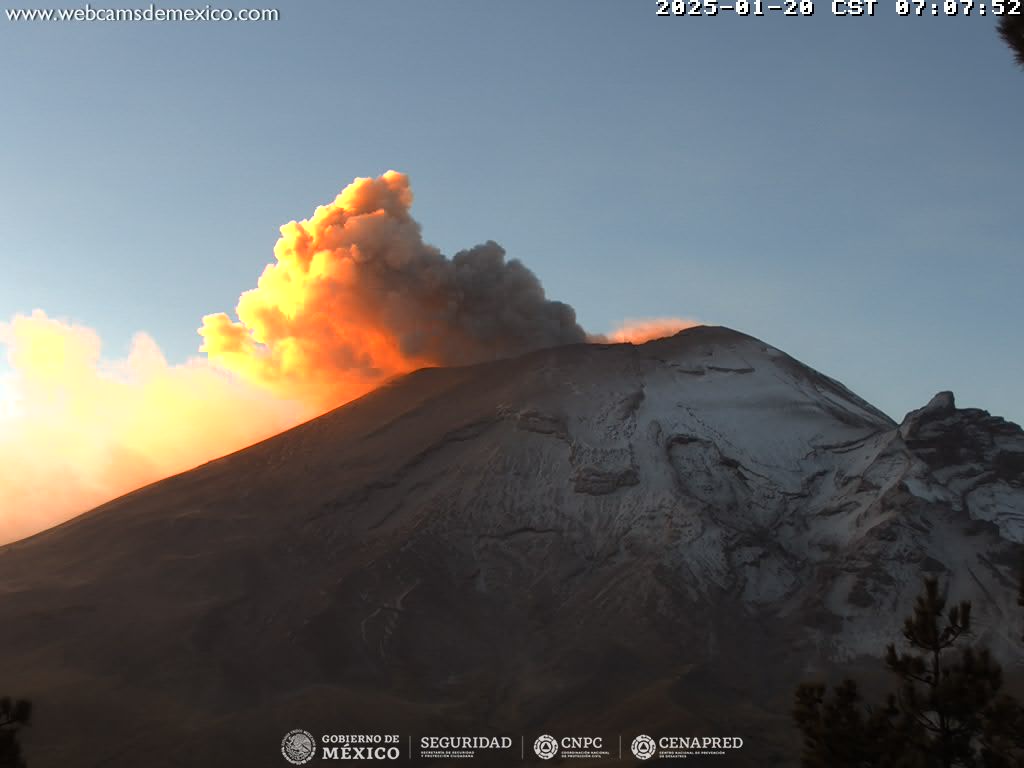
<point x="616" y="539"/>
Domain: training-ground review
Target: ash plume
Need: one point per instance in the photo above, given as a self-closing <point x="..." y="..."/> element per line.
<point x="355" y="296"/>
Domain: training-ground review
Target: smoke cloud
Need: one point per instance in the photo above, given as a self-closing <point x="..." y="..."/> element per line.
<point x="353" y="297"/>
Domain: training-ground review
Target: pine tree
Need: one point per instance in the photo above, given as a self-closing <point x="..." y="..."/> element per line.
<point x="13" y="716"/>
<point x="839" y="731"/>
<point x="1011" y="29"/>
<point x="948" y="710"/>
<point x="938" y="697"/>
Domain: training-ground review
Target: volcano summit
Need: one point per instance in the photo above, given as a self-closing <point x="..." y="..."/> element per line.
<point x="588" y="538"/>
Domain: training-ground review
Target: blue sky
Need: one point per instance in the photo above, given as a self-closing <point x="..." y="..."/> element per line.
<point x="847" y="189"/>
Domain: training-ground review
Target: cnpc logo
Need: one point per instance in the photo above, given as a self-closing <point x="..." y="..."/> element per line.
<point x="546" y="746"/>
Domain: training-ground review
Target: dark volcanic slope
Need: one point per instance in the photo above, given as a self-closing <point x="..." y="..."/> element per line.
<point x="589" y="538"/>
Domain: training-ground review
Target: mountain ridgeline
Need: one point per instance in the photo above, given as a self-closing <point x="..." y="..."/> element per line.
<point x="663" y="538"/>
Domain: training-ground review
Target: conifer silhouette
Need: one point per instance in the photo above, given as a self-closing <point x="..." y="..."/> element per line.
<point x="13" y="716"/>
<point x="949" y="708"/>
<point x="1011" y="29"/>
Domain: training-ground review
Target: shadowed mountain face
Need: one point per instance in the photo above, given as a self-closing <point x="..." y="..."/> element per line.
<point x="598" y="539"/>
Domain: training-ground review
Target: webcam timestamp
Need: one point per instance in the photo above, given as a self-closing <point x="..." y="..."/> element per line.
<point x="839" y="7"/>
<point x="739" y="7"/>
<point x="959" y="8"/>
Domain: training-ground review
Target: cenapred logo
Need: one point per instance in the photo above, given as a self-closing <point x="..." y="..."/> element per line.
<point x="643" y="747"/>
<point x="678" y="747"/>
<point x="546" y="747"/>
<point x="298" y="746"/>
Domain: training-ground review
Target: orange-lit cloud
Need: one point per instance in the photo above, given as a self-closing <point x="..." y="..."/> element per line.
<point x="355" y="296"/>
<point x="639" y="331"/>
<point x="76" y="430"/>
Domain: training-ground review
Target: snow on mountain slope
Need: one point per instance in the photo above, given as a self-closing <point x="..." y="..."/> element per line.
<point x="668" y="536"/>
<point x="750" y="474"/>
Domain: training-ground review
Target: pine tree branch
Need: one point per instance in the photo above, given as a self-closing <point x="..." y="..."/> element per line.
<point x="918" y="678"/>
<point x="1011" y="29"/>
<point x="954" y="633"/>
<point x="924" y="721"/>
